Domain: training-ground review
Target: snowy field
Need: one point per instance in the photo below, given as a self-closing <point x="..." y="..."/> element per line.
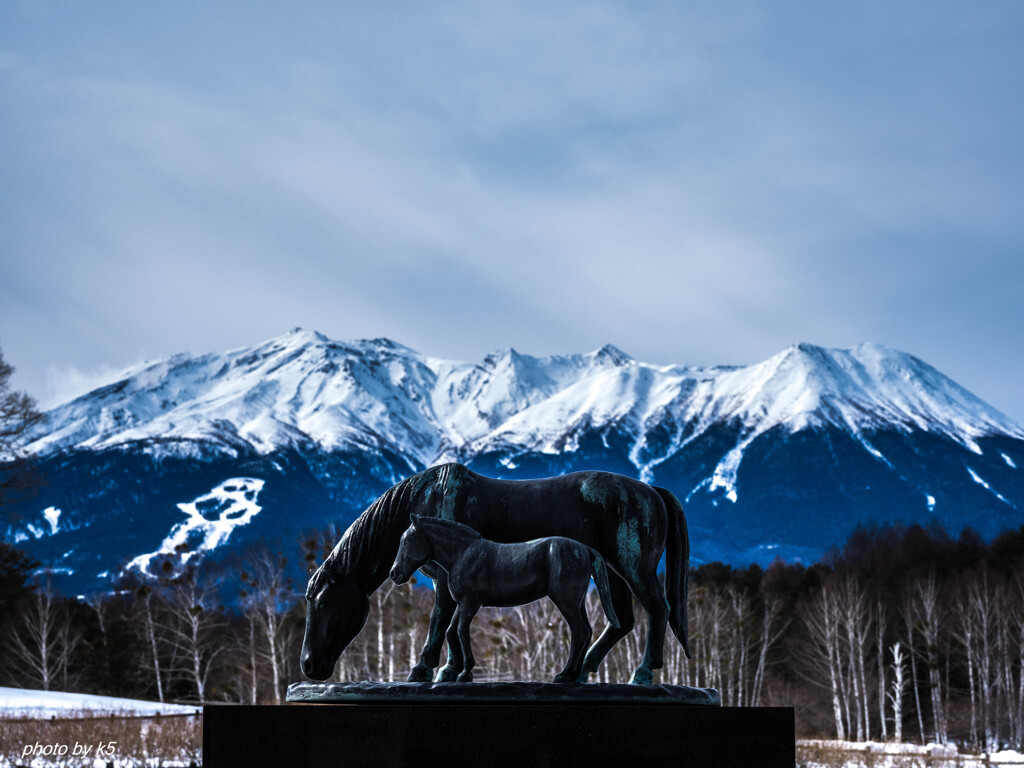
<point x="33" y="721"/>
<point x="851" y="754"/>
<point x="18" y="702"/>
<point x="50" y="728"/>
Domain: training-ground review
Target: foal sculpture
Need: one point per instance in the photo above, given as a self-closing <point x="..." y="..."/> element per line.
<point x="484" y="573"/>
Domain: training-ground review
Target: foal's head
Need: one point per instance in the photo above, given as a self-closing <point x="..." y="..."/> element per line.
<point x="413" y="551"/>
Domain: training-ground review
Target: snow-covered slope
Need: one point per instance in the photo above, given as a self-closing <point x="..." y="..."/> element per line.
<point x="193" y="455"/>
<point x="303" y="389"/>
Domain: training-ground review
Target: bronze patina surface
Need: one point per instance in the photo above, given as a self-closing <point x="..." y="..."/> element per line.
<point x="500" y="693"/>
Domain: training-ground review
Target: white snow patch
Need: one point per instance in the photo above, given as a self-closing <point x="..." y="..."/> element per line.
<point x="52" y="515"/>
<point x="210" y="520"/>
<point x="977" y="478"/>
<point x="36" y="532"/>
<point x="702" y="484"/>
<point x="971" y="444"/>
<point x="28" y="703"/>
<point x="725" y="473"/>
<point x="931" y="502"/>
<point x="1009" y="461"/>
<point x="1011" y="756"/>
<point x="855" y="754"/>
<point x="508" y="463"/>
<point x="872" y="450"/>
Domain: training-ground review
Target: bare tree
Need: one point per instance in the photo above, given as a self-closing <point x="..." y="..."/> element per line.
<point x="928" y="614"/>
<point x="18" y="415"/>
<point x="1013" y="623"/>
<point x="152" y="632"/>
<point x="899" y="685"/>
<point x="270" y="598"/>
<point x="855" y="618"/>
<point x="1007" y="649"/>
<point x="193" y="630"/>
<point x="972" y="627"/>
<point x="772" y="629"/>
<point x="822" y="619"/>
<point x="43" y="642"/>
<point x="907" y="609"/>
<point x="880" y="626"/>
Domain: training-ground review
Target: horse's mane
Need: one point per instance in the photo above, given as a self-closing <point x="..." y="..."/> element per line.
<point x="363" y="537"/>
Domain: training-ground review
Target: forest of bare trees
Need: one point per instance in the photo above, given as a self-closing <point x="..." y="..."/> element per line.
<point x="901" y="634"/>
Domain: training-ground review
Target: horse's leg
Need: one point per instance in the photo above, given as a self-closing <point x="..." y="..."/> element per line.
<point x="456" y="657"/>
<point x="622" y="602"/>
<point x="440" y="618"/>
<point x="574" y="611"/>
<point x="464" y="617"/>
<point x="652" y="597"/>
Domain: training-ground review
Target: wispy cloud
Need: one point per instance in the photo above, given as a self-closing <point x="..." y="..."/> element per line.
<point x="697" y="184"/>
<point x="66" y="383"/>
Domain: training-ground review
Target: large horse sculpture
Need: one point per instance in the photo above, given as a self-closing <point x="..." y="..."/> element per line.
<point x="629" y="522"/>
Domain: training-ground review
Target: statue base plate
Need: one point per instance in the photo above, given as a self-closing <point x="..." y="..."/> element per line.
<point x="500" y="693"/>
<point x="395" y="725"/>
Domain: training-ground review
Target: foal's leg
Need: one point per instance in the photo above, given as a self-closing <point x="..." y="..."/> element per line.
<point x="574" y="610"/>
<point x="622" y="602"/>
<point x="652" y="598"/>
<point x="464" y="617"/>
<point x="456" y="659"/>
<point x="440" y="618"/>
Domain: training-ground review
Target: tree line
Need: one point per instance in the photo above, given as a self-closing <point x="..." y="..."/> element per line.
<point x="903" y="633"/>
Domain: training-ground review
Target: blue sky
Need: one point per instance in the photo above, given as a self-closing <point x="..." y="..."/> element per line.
<point x="695" y="183"/>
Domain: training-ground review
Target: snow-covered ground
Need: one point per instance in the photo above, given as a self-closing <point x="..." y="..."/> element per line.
<point x="18" y="702"/>
<point x="852" y="754"/>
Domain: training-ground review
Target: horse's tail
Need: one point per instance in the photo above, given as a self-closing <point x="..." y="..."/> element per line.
<point x="677" y="568"/>
<point x="603" y="589"/>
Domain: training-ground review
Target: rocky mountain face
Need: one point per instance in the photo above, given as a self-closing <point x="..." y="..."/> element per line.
<point x="193" y="455"/>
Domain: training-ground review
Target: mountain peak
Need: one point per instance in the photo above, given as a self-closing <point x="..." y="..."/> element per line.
<point x="609" y="353"/>
<point x="299" y="336"/>
<point x="303" y="388"/>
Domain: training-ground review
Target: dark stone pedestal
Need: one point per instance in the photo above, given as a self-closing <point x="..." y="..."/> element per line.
<point x="494" y="734"/>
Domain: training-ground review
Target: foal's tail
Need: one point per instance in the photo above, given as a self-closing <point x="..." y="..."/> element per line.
<point x="603" y="590"/>
<point x="677" y="568"/>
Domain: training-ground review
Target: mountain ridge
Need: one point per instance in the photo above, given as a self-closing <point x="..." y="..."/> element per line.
<point x="779" y="458"/>
<point x="304" y="387"/>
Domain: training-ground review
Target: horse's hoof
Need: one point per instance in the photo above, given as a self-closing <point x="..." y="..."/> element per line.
<point x="584" y="677"/>
<point x="419" y="674"/>
<point x="466" y="677"/>
<point x="562" y="678"/>
<point x="447" y="674"/>
<point x="642" y="676"/>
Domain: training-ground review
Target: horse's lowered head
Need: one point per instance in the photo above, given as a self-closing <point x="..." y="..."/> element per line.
<point x="413" y="551"/>
<point x="336" y="609"/>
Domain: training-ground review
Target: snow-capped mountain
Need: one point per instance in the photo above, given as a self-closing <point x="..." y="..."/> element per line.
<point x="303" y="389"/>
<point x="784" y="456"/>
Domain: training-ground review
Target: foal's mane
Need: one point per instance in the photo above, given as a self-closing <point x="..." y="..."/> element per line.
<point x="449" y="525"/>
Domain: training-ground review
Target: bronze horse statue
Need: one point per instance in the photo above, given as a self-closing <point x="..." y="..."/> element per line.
<point x="629" y="522"/>
<point x="484" y="573"/>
